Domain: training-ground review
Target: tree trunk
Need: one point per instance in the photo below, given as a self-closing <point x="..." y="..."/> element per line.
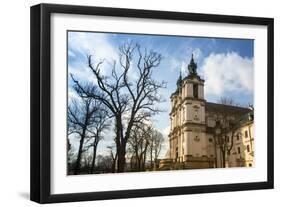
<point x="223" y="159"/>
<point x="121" y="152"/>
<point x="94" y="158"/>
<point x="155" y="160"/>
<point x="121" y="161"/>
<point x="151" y="162"/>
<point x="120" y="145"/>
<point x="216" y="152"/>
<point x="139" y="163"/>
<point x="144" y="158"/>
<point x="114" y="158"/>
<point x="78" y="160"/>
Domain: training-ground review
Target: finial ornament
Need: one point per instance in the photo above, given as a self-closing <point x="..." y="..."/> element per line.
<point x="192" y="67"/>
<point x="179" y="80"/>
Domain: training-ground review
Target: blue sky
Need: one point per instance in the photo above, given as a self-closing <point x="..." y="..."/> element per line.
<point x="226" y="65"/>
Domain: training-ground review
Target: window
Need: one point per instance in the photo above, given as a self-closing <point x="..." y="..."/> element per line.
<point x="246" y="134"/>
<point x="210" y="140"/>
<point x="238" y="150"/>
<point x="237" y="136"/>
<point x="196" y="139"/>
<point x="195" y="90"/>
<point x="250" y="164"/>
<point x="248" y="148"/>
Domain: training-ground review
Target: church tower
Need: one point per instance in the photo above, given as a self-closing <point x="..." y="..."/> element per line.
<point x="188" y="144"/>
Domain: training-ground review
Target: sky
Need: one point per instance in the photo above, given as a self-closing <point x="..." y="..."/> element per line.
<point x="226" y="65"/>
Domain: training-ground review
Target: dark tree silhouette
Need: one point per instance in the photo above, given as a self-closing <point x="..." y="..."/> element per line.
<point x="138" y="145"/>
<point x="227" y="101"/>
<point x="226" y="122"/>
<point x="129" y="100"/>
<point x="225" y="138"/>
<point x="113" y="155"/>
<point x="145" y="142"/>
<point x="155" y="146"/>
<point x="104" y="164"/>
<point x="81" y="121"/>
<point x="101" y="124"/>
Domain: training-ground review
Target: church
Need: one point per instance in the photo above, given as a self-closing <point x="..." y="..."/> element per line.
<point x="204" y="134"/>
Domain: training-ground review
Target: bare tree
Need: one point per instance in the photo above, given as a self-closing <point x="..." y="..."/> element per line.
<point x="70" y="155"/>
<point x="225" y="138"/>
<point x="226" y="122"/>
<point x="138" y="144"/>
<point x="97" y="129"/>
<point x="104" y="163"/>
<point x="145" y="143"/>
<point x="85" y="163"/>
<point x="80" y="122"/>
<point x="113" y="155"/>
<point x="227" y="101"/>
<point x="129" y="101"/>
<point x="156" y="141"/>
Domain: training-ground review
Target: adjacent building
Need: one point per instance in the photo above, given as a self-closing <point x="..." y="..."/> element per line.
<point x="205" y="134"/>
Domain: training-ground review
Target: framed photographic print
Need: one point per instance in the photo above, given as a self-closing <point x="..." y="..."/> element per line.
<point x="132" y="103"/>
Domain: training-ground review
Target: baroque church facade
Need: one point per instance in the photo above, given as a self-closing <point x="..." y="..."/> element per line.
<point x="204" y="134"/>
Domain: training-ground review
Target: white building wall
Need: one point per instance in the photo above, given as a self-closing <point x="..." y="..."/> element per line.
<point x="189" y="143"/>
<point x="200" y="95"/>
<point x="189" y="90"/>
<point x="204" y="144"/>
<point x="185" y="143"/>
<point x="211" y="145"/>
<point x="182" y="144"/>
<point x="188" y="114"/>
<point x="202" y="114"/>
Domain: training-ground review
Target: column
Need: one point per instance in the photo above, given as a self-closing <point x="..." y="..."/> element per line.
<point x="203" y="114"/>
<point x="185" y="143"/>
<point x="185" y="112"/>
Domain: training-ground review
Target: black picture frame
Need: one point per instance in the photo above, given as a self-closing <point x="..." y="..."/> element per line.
<point x="41" y="99"/>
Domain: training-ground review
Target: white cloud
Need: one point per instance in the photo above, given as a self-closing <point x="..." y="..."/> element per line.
<point x="82" y="73"/>
<point x="165" y="146"/>
<point x="174" y="64"/>
<point x="227" y="72"/>
<point x="132" y="73"/>
<point x="92" y="43"/>
<point x="181" y="65"/>
<point x="165" y="131"/>
<point x="72" y="95"/>
<point x="183" y="68"/>
<point x="96" y="44"/>
<point x="197" y="53"/>
<point x="71" y="53"/>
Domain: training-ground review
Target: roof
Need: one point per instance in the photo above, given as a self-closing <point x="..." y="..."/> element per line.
<point x="247" y="118"/>
<point x="221" y="108"/>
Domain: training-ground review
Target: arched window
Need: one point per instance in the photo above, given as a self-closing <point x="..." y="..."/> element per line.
<point x="248" y="148"/>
